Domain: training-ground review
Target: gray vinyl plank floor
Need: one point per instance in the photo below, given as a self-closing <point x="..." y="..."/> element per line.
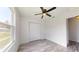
<point x="45" y="46"/>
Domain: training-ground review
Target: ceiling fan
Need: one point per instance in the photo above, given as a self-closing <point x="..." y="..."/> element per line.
<point x="45" y="11"/>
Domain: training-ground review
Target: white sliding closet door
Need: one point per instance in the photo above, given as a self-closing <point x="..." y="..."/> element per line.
<point x="34" y="31"/>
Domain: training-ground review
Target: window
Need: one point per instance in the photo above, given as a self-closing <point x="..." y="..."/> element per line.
<point x="6" y="26"/>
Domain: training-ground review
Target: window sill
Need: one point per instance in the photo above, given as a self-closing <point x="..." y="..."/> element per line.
<point x="7" y="46"/>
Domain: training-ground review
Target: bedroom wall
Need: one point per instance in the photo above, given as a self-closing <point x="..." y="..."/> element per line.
<point x="56" y="27"/>
<point x="27" y="16"/>
<point x="25" y="37"/>
<point x="57" y="30"/>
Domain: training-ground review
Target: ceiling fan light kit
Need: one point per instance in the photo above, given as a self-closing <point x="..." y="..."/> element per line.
<point x="45" y="12"/>
<point x="77" y="17"/>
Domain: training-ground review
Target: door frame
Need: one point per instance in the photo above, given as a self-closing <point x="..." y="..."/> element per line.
<point x="67" y="29"/>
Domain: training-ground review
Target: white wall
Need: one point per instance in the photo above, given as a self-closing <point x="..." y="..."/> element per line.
<point x="27" y="16"/>
<point x="25" y="29"/>
<point x="57" y="30"/>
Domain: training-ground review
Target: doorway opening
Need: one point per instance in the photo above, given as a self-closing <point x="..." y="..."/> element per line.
<point x="73" y="33"/>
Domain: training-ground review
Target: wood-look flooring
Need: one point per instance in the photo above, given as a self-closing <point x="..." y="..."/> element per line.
<point x="45" y="46"/>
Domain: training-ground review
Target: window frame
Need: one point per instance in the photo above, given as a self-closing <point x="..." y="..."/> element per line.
<point x="12" y="30"/>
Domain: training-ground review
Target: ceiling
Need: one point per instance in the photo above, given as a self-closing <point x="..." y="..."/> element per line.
<point x="30" y="11"/>
<point x="59" y="11"/>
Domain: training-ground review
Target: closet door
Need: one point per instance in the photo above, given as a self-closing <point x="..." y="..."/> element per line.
<point x="34" y="31"/>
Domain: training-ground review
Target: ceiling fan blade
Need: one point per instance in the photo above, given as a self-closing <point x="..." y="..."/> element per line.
<point x="39" y="14"/>
<point x="42" y="9"/>
<point x="51" y="9"/>
<point x="48" y="15"/>
<point x="42" y="17"/>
